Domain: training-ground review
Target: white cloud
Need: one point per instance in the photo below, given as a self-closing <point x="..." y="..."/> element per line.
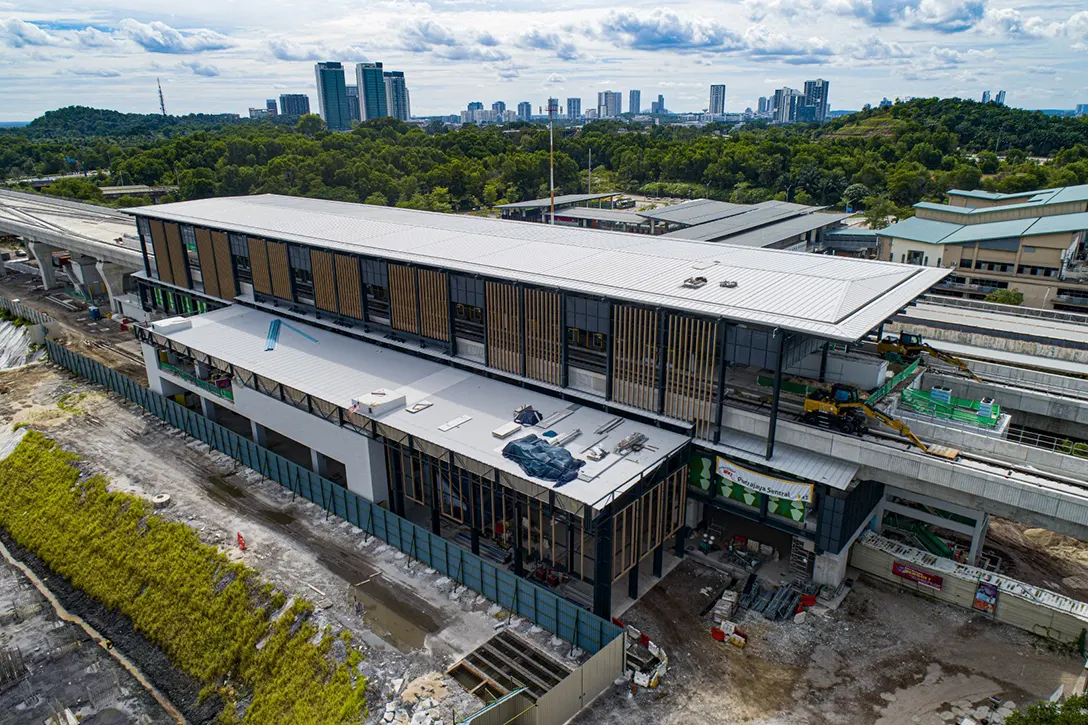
<point x="20" y="34"/>
<point x="90" y="72"/>
<point x="664" y="29"/>
<point x="942" y="16"/>
<point x="874" y="48"/>
<point x="422" y="35"/>
<point x="763" y="43"/>
<point x="205" y="70"/>
<point x="537" y="39"/>
<point x="158" y="37"/>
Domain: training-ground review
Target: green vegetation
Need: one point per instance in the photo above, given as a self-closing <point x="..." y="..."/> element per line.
<point x="1005" y="297"/>
<point x="9" y="316"/>
<point x="214" y="618"/>
<point x="880" y="162"/>
<point x="1073" y="711"/>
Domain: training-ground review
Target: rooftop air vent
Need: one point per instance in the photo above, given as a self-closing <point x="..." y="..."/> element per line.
<point x="694" y="282"/>
<point x="728" y="283"/>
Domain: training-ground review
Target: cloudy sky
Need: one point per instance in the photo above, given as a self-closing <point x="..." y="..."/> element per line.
<point x="228" y="55"/>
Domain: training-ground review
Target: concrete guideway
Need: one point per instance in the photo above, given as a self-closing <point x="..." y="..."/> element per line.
<point x="1036" y="499"/>
<point x="102" y="243"/>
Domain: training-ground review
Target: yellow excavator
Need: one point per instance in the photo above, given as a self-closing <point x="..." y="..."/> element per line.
<point x="909" y="346"/>
<point x="841" y="408"/>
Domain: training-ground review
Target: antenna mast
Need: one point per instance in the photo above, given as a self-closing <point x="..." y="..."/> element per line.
<point x="162" y="103"/>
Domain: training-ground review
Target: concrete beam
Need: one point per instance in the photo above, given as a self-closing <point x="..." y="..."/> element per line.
<point x="43" y="255"/>
<point x="1058" y="507"/>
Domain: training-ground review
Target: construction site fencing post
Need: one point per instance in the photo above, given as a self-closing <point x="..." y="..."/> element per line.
<point x="541" y="606"/>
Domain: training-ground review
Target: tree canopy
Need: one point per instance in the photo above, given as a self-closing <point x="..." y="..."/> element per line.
<point x="880" y="161"/>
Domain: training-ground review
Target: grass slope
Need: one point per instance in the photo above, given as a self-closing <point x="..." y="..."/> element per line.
<point x="214" y="618"/>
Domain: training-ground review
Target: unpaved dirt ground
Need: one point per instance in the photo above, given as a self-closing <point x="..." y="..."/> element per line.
<point x="63" y="667"/>
<point x="884" y="657"/>
<point x="101" y="340"/>
<point x="1040" y="557"/>
<point x="412" y="624"/>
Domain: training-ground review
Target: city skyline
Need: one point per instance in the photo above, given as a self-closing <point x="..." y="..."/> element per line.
<point x="215" y="58"/>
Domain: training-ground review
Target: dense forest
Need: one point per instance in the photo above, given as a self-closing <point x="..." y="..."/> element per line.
<point x="883" y="160"/>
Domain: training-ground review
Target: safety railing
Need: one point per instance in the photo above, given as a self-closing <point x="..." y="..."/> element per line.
<point x="544" y="608"/>
<point x="890" y="385"/>
<point x="194" y="380"/>
<point x="962" y="411"/>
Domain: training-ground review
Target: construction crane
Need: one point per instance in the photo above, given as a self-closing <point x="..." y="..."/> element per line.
<point x="909" y="346"/>
<point x="162" y="103"/>
<point x="843" y="409"/>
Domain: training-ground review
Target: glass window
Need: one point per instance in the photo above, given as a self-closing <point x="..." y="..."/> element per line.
<point x="239" y="252"/>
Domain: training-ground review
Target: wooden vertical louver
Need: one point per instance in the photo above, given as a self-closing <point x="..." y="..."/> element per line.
<point x="689" y="371"/>
<point x="543" y="336"/>
<point x="280" y="270"/>
<point x="635" y="357"/>
<point x="224" y="266"/>
<point x="434" y="300"/>
<point x="503" y="327"/>
<point x="258" y="261"/>
<point x="162" y="255"/>
<point x="179" y="260"/>
<point x="402" y="298"/>
<point x="347" y="284"/>
<point x="206" y="255"/>
<point x="324" y="280"/>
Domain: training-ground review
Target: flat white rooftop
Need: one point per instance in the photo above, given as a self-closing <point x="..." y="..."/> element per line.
<point x="95" y="224"/>
<point x="829" y="297"/>
<point x="338" y="368"/>
<point x="999" y="324"/>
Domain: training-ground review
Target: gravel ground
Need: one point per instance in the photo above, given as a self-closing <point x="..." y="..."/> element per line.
<point x="65" y="669"/>
<point x="883" y="657"/>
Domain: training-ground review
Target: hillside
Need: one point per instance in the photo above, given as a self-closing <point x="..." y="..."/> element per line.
<point x="74" y="121"/>
<point x="977" y="126"/>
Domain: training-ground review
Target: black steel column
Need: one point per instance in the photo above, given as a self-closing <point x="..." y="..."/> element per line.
<point x="436" y="492"/>
<point x="475" y="541"/>
<point x="361" y="271"/>
<point x="823" y="361"/>
<point x="777" y="393"/>
<point x="723" y="367"/>
<point x="570" y="545"/>
<point x="519" y="568"/>
<point x="659" y="560"/>
<point x="632" y="582"/>
<point x="608" y="355"/>
<point x="681" y="535"/>
<point x="661" y="317"/>
<point x="419" y="303"/>
<point x="563" y="351"/>
<point x="603" y="529"/>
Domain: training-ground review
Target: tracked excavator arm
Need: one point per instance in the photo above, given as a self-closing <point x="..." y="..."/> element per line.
<point x="897" y="425"/>
<point x="952" y="360"/>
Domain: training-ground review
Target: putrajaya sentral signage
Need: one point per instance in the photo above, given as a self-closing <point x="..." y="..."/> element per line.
<point x="762" y="483"/>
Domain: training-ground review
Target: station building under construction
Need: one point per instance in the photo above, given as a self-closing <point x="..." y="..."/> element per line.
<point x="415" y="357"/>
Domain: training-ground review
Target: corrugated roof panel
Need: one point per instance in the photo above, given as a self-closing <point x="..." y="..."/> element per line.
<point x="790" y="459"/>
<point x="992" y="230"/>
<point x="696" y="211"/>
<point x="1059" y="223"/>
<point x="796" y="291"/>
<point x="914" y="229"/>
<point x="722" y="229"/>
<point x="561" y="199"/>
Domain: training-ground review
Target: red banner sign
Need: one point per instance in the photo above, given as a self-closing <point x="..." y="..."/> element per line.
<point x="917" y="575"/>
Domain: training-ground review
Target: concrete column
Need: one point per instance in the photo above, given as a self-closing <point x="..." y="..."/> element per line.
<point x="113" y="276"/>
<point x="979" y="538"/>
<point x="259" y="436"/>
<point x="207" y="407"/>
<point x="43" y="254"/>
<point x="318" y="463"/>
<point x="830" y="569"/>
<point x="84" y="275"/>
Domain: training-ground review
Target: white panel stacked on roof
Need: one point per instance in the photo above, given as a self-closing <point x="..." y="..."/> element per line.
<point x="794" y="291"/>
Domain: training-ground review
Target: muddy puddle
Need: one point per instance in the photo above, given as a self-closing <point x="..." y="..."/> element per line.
<point x="393" y="613"/>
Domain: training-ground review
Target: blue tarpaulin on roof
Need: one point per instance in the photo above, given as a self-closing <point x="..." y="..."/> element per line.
<point x="540" y="459"/>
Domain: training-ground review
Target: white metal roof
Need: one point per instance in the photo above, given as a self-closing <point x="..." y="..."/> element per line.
<point x="338" y="368"/>
<point x="561" y="199"/>
<point x="793" y="460"/>
<point x="829" y="297"/>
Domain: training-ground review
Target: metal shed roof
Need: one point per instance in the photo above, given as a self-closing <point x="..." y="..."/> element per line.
<point x="338" y="368"/>
<point x="931" y="231"/>
<point x="561" y="199"/>
<point x="696" y="211"/>
<point x="610" y="215"/>
<point x="783" y="230"/>
<point x="828" y="297"/>
<point x="760" y="215"/>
